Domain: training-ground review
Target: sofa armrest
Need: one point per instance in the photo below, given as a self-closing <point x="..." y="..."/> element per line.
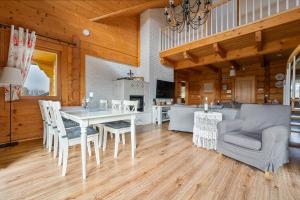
<point x="273" y="135"/>
<point x="229" y="126"/>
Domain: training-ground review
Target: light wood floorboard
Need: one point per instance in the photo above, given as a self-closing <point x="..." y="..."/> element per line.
<point x="167" y="166"/>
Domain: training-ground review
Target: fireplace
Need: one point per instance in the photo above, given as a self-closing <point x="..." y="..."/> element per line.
<point x="140" y="99"/>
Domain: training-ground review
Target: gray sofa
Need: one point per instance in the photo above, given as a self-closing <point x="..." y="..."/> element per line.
<point x="258" y="137"/>
<point x="182" y="117"/>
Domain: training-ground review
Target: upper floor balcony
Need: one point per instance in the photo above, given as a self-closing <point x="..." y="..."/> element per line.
<point x="228" y="16"/>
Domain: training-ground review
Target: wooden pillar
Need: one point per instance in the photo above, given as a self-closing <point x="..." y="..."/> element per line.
<point x="75" y="85"/>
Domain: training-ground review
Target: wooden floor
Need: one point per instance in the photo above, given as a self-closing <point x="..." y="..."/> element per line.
<point x="167" y="166"/>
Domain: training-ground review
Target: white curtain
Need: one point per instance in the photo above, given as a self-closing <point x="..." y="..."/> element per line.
<point x="21" y="47"/>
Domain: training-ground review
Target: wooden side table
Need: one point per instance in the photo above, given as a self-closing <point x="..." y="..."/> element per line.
<point x="205" y="129"/>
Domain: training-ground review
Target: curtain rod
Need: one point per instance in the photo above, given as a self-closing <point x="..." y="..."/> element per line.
<point x="51" y="38"/>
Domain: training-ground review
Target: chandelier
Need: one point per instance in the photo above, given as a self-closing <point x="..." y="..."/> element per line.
<point x="190" y="13"/>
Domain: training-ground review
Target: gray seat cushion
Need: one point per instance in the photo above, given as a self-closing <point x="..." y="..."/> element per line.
<point x="243" y="139"/>
<point x="118" y="124"/>
<point x="75" y="132"/>
<point x="69" y="123"/>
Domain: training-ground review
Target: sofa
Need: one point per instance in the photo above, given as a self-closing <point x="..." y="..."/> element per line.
<point x="182" y="116"/>
<point x="259" y="136"/>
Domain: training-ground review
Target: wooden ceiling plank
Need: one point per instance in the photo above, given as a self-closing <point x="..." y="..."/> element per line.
<point x="219" y="50"/>
<point x="134" y="10"/>
<point x="189" y="56"/>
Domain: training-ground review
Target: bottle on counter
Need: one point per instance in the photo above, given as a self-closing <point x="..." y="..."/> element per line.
<point x="206" y="105"/>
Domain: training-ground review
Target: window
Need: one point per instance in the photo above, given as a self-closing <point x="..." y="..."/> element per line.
<point x="42" y="76"/>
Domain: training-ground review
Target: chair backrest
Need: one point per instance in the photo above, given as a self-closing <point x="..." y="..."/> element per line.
<point x="103" y="104"/>
<point x="116" y="105"/>
<point x="258" y="117"/>
<point x="55" y="109"/>
<point x="130" y="106"/>
<point x="46" y="111"/>
<point x="42" y="109"/>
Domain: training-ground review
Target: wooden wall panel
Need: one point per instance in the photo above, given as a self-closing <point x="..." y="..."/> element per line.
<point x="262" y="76"/>
<point x="54" y="19"/>
<point x="27" y="122"/>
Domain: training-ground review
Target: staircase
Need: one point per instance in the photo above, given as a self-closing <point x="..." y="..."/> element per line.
<point x="291" y="96"/>
<point x="295" y="123"/>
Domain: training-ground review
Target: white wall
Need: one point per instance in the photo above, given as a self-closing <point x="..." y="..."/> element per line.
<point x="100" y="74"/>
<point x="150" y="22"/>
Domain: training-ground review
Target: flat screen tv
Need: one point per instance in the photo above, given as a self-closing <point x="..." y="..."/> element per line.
<point x="165" y="89"/>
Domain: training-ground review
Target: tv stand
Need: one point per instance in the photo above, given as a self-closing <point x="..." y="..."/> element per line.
<point x="160" y="114"/>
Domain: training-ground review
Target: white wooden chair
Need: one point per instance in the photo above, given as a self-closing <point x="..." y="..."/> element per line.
<point x="71" y="137"/>
<point x="53" y="137"/>
<point x="49" y="121"/>
<point x="103" y="105"/>
<point x="120" y="127"/>
<point x="116" y="106"/>
<point x="45" y="134"/>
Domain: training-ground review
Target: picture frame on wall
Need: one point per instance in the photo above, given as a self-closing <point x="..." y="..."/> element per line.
<point x="208" y="87"/>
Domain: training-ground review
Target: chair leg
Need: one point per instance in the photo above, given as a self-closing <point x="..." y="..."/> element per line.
<point x="104" y="139"/>
<point x="47" y="137"/>
<point x="60" y="153"/>
<point x="55" y="145"/>
<point x="89" y="149"/>
<point x="117" y="140"/>
<point x="268" y="175"/>
<point x="65" y="159"/>
<point x="111" y="135"/>
<point x="123" y="138"/>
<point x="96" y="143"/>
<point x="50" y="142"/>
<point x="100" y="136"/>
<point x="44" y="134"/>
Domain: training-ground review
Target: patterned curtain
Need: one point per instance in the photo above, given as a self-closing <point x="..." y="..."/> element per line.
<point x="21" y="47"/>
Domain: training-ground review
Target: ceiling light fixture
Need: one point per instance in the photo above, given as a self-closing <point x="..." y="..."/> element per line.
<point x="190" y="13"/>
<point x="232" y="71"/>
<point x="86" y="32"/>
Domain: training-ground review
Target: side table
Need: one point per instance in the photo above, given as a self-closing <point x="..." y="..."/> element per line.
<point x="205" y="129"/>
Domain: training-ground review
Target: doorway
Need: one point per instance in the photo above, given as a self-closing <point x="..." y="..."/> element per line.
<point x="245" y="89"/>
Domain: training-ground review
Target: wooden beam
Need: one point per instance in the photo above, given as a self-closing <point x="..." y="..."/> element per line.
<point x="258" y="40"/>
<point x="130" y="11"/>
<point x="269" y="22"/>
<point x="190" y="57"/>
<point x="212" y="68"/>
<point x="166" y="61"/>
<point x="270" y="47"/>
<point x="219" y="50"/>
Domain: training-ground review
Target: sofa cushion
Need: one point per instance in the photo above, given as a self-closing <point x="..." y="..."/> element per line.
<point x="244" y="139"/>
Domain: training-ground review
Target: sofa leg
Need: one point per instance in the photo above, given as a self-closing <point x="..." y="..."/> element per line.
<point x="268" y="175"/>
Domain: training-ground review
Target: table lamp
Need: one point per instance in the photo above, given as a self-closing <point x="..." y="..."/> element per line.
<point x="10" y="76"/>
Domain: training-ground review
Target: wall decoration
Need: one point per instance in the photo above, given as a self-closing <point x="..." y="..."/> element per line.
<point x="279" y="84"/>
<point x="279" y="77"/>
<point x="224" y="87"/>
<point x="208" y="87"/>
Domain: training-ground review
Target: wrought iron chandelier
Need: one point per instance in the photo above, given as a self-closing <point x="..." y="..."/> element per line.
<point x="190" y="13"/>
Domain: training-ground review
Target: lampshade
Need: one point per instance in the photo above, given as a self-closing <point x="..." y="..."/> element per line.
<point x="232" y="71"/>
<point x="10" y="76"/>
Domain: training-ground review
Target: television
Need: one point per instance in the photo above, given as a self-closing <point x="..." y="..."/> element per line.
<point x="165" y="89"/>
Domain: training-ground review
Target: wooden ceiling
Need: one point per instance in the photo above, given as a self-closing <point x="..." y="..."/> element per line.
<point x="268" y="39"/>
<point x="117" y="40"/>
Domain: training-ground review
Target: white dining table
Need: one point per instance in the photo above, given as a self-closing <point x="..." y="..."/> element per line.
<point x="88" y="117"/>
